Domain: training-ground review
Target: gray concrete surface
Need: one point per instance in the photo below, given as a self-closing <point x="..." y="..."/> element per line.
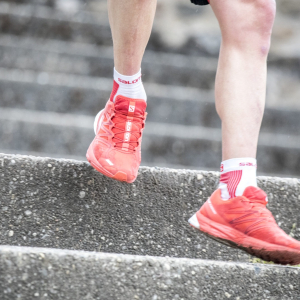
<point x="175" y="144"/>
<point x="28" y="20"/>
<point x="179" y="26"/>
<point x="68" y="205"/>
<point x="164" y="68"/>
<point x="90" y="60"/>
<point x="66" y="93"/>
<point x="83" y="158"/>
<point x="31" y="273"/>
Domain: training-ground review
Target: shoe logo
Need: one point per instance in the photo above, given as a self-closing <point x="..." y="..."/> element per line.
<point x="131" y="108"/>
<point x="128" y="134"/>
<point x="127" y="137"/>
<point x="248" y="164"/>
<point x="109" y="162"/>
<point x="128" y="126"/>
<point x="211" y="206"/>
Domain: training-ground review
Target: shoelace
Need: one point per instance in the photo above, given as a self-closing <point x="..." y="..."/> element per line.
<point x="256" y="208"/>
<point x="121" y="118"/>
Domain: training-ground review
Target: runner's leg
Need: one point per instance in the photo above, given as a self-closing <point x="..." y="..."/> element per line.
<point x="131" y="23"/>
<point x="246" y="27"/>
<point x="236" y="212"/>
<point x="116" y="148"/>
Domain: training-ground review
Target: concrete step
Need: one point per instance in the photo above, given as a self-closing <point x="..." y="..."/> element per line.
<point x="32" y="273"/>
<point x="44" y="22"/>
<point x="65" y="5"/>
<point x="90" y="60"/>
<point x="83" y="158"/>
<point x="286" y="7"/>
<point x="164" y="68"/>
<point x="67" y="134"/>
<point x="144" y="163"/>
<point x="194" y="34"/>
<point x="66" y="204"/>
<point x="86" y="95"/>
<point x="178" y="27"/>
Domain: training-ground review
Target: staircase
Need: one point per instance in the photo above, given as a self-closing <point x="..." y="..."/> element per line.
<point x="65" y="206"/>
<point x="75" y="234"/>
<point x="55" y="71"/>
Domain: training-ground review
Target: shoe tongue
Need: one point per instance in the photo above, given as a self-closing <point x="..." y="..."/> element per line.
<point x="131" y="107"/>
<point x="256" y="194"/>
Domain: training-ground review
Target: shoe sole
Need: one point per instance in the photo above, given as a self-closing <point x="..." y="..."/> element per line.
<point x="235" y="239"/>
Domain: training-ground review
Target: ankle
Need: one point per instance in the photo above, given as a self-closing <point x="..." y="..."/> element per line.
<point x="128" y="86"/>
<point x="236" y="175"/>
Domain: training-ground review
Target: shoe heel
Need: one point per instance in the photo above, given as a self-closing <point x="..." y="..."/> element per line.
<point x="194" y="221"/>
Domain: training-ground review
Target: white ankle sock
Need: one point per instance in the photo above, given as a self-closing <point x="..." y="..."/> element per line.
<point x="128" y="86"/>
<point x="236" y="175"/>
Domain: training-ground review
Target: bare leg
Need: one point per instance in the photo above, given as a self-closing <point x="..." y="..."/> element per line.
<point x="131" y="23"/>
<point x="246" y="27"/>
<point x="240" y="95"/>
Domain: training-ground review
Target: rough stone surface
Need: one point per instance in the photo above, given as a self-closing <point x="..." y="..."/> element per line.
<point x="74" y="207"/>
<point x="28" y="273"/>
<point x="178" y="27"/>
<point x="84" y="95"/>
<point x="90" y="60"/>
<point x="67" y="134"/>
<point x="163" y="68"/>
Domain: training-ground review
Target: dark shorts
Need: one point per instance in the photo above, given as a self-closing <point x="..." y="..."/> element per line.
<point x="200" y="2"/>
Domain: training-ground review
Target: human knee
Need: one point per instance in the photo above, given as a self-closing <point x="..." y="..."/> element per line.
<point x="252" y="25"/>
<point x="265" y="10"/>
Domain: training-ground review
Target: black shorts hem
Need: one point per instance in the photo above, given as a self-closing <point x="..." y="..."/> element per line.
<point x="200" y="2"/>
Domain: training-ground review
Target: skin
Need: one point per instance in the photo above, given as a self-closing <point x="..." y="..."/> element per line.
<point x="241" y="76"/>
<point x="131" y="24"/>
<point x="240" y="89"/>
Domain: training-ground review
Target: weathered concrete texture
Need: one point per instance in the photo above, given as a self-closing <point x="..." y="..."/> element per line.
<point x="83" y="100"/>
<point x="31" y="273"/>
<point x="174" y="30"/>
<point x="84" y="95"/>
<point x="49" y="3"/>
<point x="283" y="83"/>
<point x="178" y="27"/>
<point x="290" y="7"/>
<point x="44" y="22"/>
<point x="164" y="68"/>
<point x="68" y="134"/>
<point x="68" y="205"/>
<point x="90" y="60"/>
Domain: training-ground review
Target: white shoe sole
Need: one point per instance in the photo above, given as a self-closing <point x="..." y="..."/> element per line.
<point x="194" y="221"/>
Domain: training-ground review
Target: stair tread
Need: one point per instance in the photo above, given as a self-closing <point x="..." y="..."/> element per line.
<point x="121" y="277"/>
<point x="72" y="206"/>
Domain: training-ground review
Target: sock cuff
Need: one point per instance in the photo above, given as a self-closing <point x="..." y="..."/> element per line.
<point x="237" y="164"/>
<point x="127" y="80"/>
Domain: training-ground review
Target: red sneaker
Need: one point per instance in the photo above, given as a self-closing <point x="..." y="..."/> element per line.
<point x="116" y="149"/>
<point x="245" y="222"/>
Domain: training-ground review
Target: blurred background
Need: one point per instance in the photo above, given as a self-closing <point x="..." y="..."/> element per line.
<point x="56" y="68"/>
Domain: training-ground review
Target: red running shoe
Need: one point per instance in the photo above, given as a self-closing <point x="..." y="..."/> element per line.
<point x="116" y="149"/>
<point x="244" y="222"/>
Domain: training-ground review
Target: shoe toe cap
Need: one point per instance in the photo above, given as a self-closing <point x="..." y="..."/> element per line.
<point x="122" y="176"/>
<point x="123" y="168"/>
